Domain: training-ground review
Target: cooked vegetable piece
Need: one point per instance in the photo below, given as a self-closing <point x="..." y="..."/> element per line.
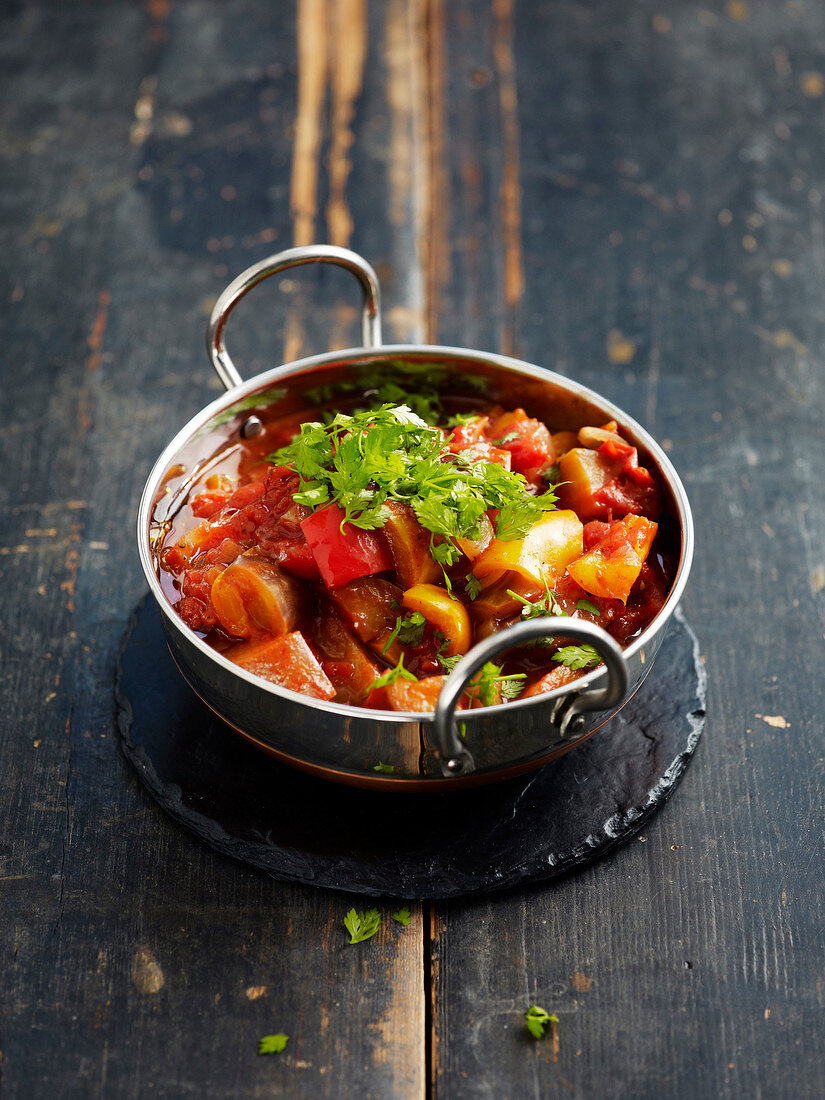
<point x="563" y="441"/>
<point x="409" y="545"/>
<point x="529" y="441"/>
<point x="419" y="696"/>
<point x="612" y="566"/>
<point x="444" y="611"/>
<point x="286" y="661"/>
<point x="253" y="596"/>
<point x="473" y="547"/>
<point x="556" y="678"/>
<point x="343" y="552"/>
<point x="539" y="558"/>
<point x="583" y="474"/>
<point x="344" y="660"/>
<point x="371" y="605"/>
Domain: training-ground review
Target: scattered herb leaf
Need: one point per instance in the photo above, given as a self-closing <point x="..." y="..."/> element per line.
<point x="472" y="586"/>
<point x="403" y="916"/>
<point x="272" y="1044"/>
<point x="490" y="683"/>
<point x="384" y="769"/>
<point x="391" y="675"/>
<point x="577" y="656"/>
<point x="462" y="730"/>
<point x="362" y="925"/>
<point x="586" y="605"/>
<point x="538" y="1020"/>
<point x="408" y="629"/>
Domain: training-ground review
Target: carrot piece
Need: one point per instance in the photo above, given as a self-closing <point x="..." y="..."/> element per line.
<point x="286" y="661"/>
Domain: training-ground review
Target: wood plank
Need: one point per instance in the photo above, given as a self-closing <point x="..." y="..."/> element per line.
<point x="670" y="173"/>
<point x="149" y="157"/>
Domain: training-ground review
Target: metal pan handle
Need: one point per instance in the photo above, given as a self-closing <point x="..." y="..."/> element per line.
<point x="293" y="257"/>
<point x="567" y="714"/>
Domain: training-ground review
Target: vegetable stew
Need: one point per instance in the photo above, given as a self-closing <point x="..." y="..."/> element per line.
<point x="356" y="555"/>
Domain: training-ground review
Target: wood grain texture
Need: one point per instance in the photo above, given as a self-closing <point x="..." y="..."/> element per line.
<point x="671" y="174"/>
<point x="147" y="156"/>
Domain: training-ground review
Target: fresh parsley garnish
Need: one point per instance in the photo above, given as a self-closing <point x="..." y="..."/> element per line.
<point x="508" y="437"/>
<point x="272" y="1044"/>
<point x="362" y="926"/>
<point x="403" y="916"/>
<point x="448" y="663"/>
<point x="384" y="769"/>
<point x="391" y="675"/>
<point x="408" y="629"/>
<point x="548" y="604"/>
<point x="577" y="656"/>
<point x="462" y="730"/>
<point x="538" y="1020"/>
<point x="472" y="586"/>
<point x="490" y="682"/>
<point x="392" y="453"/>
<point x="586" y="605"/>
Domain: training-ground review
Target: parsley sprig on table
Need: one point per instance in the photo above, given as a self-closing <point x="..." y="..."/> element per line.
<point x="362" y="924"/>
<point x="272" y="1044"/>
<point x="538" y="1020"/>
<point x="360" y="461"/>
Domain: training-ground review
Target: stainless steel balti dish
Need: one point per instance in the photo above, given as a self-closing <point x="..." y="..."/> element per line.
<point x="344" y="742"/>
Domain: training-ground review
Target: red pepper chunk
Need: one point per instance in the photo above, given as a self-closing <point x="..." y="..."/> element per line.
<point x="343" y="554"/>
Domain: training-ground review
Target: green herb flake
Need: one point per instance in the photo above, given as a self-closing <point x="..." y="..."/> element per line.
<point x="538" y="1020"/>
<point x="472" y="586"/>
<point x="408" y="629"/>
<point x="403" y="916"/>
<point x="391" y="675"/>
<point x="384" y="769"/>
<point x="272" y="1044"/>
<point x="586" y="605"/>
<point x="490" y="683"/>
<point x="577" y="656"/>
<point x="362" y="925"/>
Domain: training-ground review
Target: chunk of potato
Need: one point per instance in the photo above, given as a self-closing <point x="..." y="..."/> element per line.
<point x="409" y="545"/>
<point x="286" y="661"/>
<point x="253" y="596"/>
<point x="444" y="611"/>
<point x="583" y="473"/>
<point x="540" y="558"/>
<point x="611" y="567"/>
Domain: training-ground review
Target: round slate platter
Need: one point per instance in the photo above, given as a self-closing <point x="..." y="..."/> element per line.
<point x="295" y="827"/>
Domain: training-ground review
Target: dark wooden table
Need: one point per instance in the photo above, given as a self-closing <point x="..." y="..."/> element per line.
<point x="629" y="193"/>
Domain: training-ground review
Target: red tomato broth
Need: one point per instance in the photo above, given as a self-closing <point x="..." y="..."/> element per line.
<point x="251" y="509"/>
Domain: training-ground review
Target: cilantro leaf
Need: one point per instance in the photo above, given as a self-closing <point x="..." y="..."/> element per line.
<point x="362" y="925"/>
<point x="391" y="675"/>
<point x="384" y="769"/>
<point x="490" y="683"/>
<point x="472" y="586"/>
<point x="537" y="1020"/>
<point x="577" y="656"/>
<point x="272" y="1044"/>
<point x="403" y="916"/>
<point x="408" y="629"/>
<point x="586" y="605"/>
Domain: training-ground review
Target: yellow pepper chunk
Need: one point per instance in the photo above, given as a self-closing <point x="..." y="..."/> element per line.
<point x="540" y="558"/>
<point x="611" y="567"/>
<point x="444" y="611"/>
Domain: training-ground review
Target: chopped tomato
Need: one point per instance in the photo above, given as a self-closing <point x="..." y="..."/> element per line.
<point x="611" y="567"/>
<point x="469" y="439"/>
<point x="343" y="554"/>
<point x="528" y="441"/>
